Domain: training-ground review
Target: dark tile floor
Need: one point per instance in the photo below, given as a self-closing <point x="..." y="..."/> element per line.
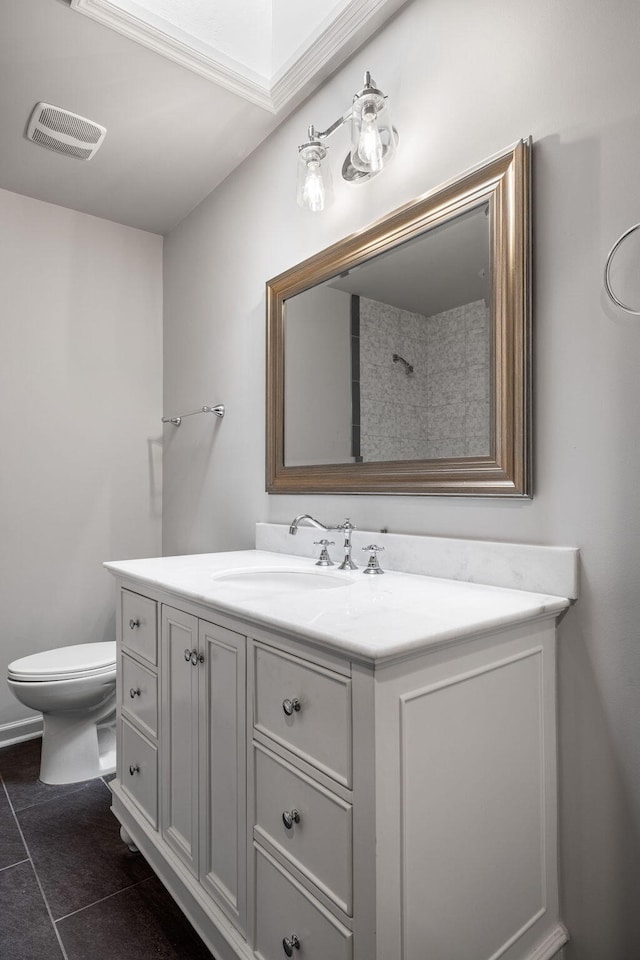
<point x="69" y="888"/>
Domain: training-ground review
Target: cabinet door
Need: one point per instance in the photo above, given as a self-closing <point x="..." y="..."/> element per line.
<point x="318" y="729"/>
<point x="286" y="911"/>
<point x="179" y="751"/>
<point x="319" y="840"/>
<point x="223" y="769"/>
<point x="139" y="696"/>
<point x="139" y="776"/>
<point x="139" y="627"/>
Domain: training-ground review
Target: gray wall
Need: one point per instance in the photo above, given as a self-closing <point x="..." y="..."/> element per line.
<point x="317" y="341"/>
<point x="466" y="79"/>
<point x="80" y="407"/>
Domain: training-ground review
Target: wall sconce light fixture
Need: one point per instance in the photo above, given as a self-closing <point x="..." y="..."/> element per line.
<point x="373" y="144"/>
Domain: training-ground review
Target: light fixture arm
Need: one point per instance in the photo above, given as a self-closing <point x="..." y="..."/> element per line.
<point x="323" y="134"/>
<point x="369" y="87"/>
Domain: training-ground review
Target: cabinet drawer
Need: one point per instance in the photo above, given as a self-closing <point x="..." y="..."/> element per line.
<point x="319" y="842"/>
<point x="139" y="696"/>
<point x="285" y="909"/>
<point x="139" y="771"/>
<point x="319" y="729"/>
<point x="139" y="625"/>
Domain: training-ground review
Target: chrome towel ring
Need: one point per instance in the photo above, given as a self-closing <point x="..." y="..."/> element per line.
<point x="607" y="272"/>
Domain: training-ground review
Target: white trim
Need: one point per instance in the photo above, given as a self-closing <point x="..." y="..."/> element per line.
<point x="323" y="51"/>
<point x="552" y="944"/>
<point x="328" y="47"/>
<point x="20" y="730"/>
<point x="222" y="70"/>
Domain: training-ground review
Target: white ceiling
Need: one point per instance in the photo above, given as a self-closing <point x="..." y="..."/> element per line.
<point x="185" y="98"/>
<point x="455" y="256"/>
<point x="246" y="45"/>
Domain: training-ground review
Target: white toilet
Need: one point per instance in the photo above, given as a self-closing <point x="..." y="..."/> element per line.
<point x="75" y="690"/>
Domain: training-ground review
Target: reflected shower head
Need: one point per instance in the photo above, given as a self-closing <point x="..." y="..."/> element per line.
<point x="398" y="359"/>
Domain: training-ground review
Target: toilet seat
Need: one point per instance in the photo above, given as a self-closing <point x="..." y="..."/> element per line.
<point x="66" y="663"/>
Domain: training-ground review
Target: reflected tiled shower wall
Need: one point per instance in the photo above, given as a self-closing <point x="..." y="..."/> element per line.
<point x="442" y="408"/>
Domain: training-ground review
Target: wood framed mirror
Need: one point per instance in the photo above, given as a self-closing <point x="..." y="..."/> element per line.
<point x="398" y="359"/>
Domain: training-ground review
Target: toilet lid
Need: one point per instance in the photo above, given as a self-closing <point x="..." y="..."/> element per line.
<point x="66" y="663"/>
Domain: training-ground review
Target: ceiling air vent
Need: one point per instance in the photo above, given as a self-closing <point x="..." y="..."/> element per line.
<point x="64" y="132"/>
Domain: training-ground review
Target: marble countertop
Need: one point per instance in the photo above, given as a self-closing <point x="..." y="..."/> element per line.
<point x="372" y="617"/>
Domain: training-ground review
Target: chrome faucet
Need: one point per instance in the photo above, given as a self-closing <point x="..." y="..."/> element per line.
<point x="347" y="527"/>
<point x="310" y="521"/>
<point x="347" y="563"/>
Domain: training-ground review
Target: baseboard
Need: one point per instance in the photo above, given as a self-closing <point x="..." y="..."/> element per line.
<point x="20" y="730"/>
<point x="552" y="946"/>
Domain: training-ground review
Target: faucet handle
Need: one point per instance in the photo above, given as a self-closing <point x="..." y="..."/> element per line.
<point x="373" y="566"/>
<point x="324" y="560"/>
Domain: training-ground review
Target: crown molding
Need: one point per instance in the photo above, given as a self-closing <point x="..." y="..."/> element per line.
<point x="328" y="47"/>
<point x="323" y="51"/>
<point x="200" y="58"/>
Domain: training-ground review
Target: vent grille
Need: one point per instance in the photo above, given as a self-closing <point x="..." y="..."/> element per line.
<point x="46" y="141"/>
<point x="70" y="124"/>
<point x="65" y="132"/>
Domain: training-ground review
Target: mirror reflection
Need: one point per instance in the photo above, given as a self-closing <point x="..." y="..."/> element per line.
<point x="391" y="359"/>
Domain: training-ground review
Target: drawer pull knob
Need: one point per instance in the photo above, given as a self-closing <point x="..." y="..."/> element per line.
<point x="133" y="693"/>
<point x="289" y="944"/>
<point x="133" y="624"/>
<point x="134" y="768"/>
<point x="290" y="705"/>
<point x="289" y="817"/>
<point x="193" y="657"/>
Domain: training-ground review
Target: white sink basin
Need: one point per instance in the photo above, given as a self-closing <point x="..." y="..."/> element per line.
<point x="281" y="580"/>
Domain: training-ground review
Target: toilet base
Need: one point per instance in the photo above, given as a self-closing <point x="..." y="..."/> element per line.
<point x="74" y="750"/>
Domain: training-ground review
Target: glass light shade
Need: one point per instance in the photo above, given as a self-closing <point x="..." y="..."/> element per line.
<point x="315" y="186"/>
<point x="372" y="138"/>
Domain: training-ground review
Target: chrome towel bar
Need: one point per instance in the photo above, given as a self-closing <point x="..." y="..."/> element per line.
<point x="218" y="410"/>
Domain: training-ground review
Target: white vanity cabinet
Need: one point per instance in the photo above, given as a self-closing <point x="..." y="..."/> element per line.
<point x="137" y="705"/>
<point x="319" y="802"/>
<point x="180" y="749"/>
<point x="302" y="803"/>
<point x="180" y="791"/>
<point x="203" y="751"/>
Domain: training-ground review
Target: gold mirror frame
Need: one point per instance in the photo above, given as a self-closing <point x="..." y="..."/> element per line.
<point x="504" y="181"/>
